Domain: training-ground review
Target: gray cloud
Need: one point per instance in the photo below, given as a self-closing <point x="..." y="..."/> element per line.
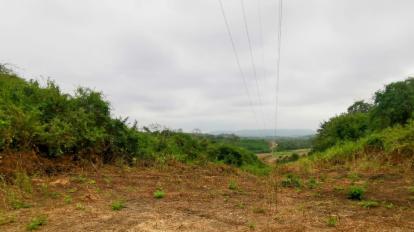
<point x="170" y="61"/>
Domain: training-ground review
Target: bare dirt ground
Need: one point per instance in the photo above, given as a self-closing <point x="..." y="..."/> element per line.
<point x="198" y="198"/>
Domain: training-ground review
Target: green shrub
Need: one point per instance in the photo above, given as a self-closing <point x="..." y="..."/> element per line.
<point x="291" y="181"/>
<point x="356" y="193"/>
<point x="117" y="205"/>
<point x="36" y="222"/>
<point x="158" y="194"/>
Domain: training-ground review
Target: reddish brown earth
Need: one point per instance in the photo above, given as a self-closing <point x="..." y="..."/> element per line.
<point x="198" y="198"/>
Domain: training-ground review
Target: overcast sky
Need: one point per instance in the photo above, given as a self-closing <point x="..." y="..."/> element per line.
<point x="171" y="61"/>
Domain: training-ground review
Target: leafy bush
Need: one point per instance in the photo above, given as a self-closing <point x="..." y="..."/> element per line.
<point x="356" y="193"/>
<point x="291" y="181"/>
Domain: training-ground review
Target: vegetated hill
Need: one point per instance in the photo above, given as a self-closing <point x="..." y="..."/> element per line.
<point x="53" y="124"/>
<point x="263" y="145"/>
<point x="268" y="133"/>
<point x="380" y="133"/>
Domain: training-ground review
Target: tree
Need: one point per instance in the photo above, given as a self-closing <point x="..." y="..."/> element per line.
<point x="359" y="107"/>
<point x="394" y="104"/>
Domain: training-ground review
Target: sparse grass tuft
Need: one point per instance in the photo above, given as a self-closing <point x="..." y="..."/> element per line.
<point x="67" y="199"/>
<point x="291" y="181"/>
<point x="79" y="206"/>
<point x="411" y="189"/>
<point x="312" y="183"/>
<point x="5" y="219"/>
<point x="36" y="222"/>
<point x="369" y="204"/>
<point x="259" y="210"/>
<point x="332" y="221"/>
<point x="233" y="185"/>
<point x="251" y="225"/>
<point x="117" y="205"/>
<point x="159" y="193"/>
<point x="356" y="193"/>
<point x="23" y="181"/>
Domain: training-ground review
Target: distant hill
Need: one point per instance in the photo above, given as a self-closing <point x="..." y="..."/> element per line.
<point x="268" y="133"/>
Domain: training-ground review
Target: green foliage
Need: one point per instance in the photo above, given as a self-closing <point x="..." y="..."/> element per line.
<point x="332" y="221"/>
<point x="36" y="223"/>
<point x="356" y="193"/>
<point x="159" y="193"/>
<point x="369" y="204"/>
<point x="117" y="205"/>
<point x="23" y="181"/>
<point x="312" y="183"/>
<point x="43" y="119"/>
<point x="233" y="185"/>
<point x="345" y="127"/>
<point x="394" y="105"/>
<point x="291" y="181"/>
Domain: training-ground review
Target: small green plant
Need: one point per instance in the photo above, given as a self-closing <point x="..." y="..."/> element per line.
<point x="241" y="205"/>
<point x="79" y="206"/>
<point x="233" y="185"/>
<point x="72" y="190"/>
<point x="369" y="204"/>
<point x="23" y="181"/>
<point x="117" y="205"/>
<point x="36" y="222"/>
<point x="68" y="199"/>
<point x="251" y="225"/>
<point x="312" y="183"/>
<point x="338" y="188"/>
<point x="291" y="181"/>
<point x="159" y="193"/>
<point x="411" y="189"/>
<point x="15" y="202"/>
<point x="356" y="193"/>
<point x="389" y="205"/>
<point x="353" y="176"/>
<point x="332" y="221"/>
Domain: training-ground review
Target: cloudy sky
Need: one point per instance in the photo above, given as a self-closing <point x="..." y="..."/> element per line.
<point x="171" y="61"/>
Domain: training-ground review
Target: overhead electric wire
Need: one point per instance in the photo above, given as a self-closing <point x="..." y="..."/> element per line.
<point x="279" y="43"/>
<point x="246" y="26"/>
<point x="237" y="58"/>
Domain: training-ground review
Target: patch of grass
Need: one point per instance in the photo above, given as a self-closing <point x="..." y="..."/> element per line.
<point x="411" y="189"/>
<point x="117" y="205"/>
<point x="36" y="223"/>
<point x="159" y="193"/>
<point x="15" y="202"/>
<point x="23" y="181"/>
<point x="291" y="181"/>
<point x="312" y="183"/>
<point x="356" y="193"/>
<point x="79" y="206"/>
<point x="251" y="225"/>
<point x="332" y="221"/>
<point x="233" y="185"/>
<point x="259" y="210"/>
<point x="369" y="204"/>
<point x="353" y="176"/>
<point x="389" y="205"/>
<point x="5" y="219"/>
<point x="338" y="188"/>
<point x="67" y="199"/>
<point x="241" y="205"/>
<point x="72" y="190"/>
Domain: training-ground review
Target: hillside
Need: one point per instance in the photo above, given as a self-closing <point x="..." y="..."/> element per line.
<point x="68" y="165"/>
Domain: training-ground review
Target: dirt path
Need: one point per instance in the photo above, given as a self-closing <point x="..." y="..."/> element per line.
<point x="199" y="199"/>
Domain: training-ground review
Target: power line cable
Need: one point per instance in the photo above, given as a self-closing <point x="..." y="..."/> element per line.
<point x="246" y="26"/>
<point x="237" y="58"/>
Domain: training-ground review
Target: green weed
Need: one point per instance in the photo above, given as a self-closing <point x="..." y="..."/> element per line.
<point x="36" y="223"/>
<point x="332" y="220"/>
<point x="291" y="181"/>
<point x="159" y="193"/>
<point x="117" y="205"/>
<point x="79" y="206"/>
<point x="356" y="193"/>
<point x="23" y="181"/>
<point x="68" y="199"/>
<point x="233" y="185"/>
<point x="369" y="204"/>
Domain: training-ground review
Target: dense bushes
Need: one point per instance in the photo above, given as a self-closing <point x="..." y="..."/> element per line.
<point x="394" y="105"/>
<point x="45" y="120"/>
